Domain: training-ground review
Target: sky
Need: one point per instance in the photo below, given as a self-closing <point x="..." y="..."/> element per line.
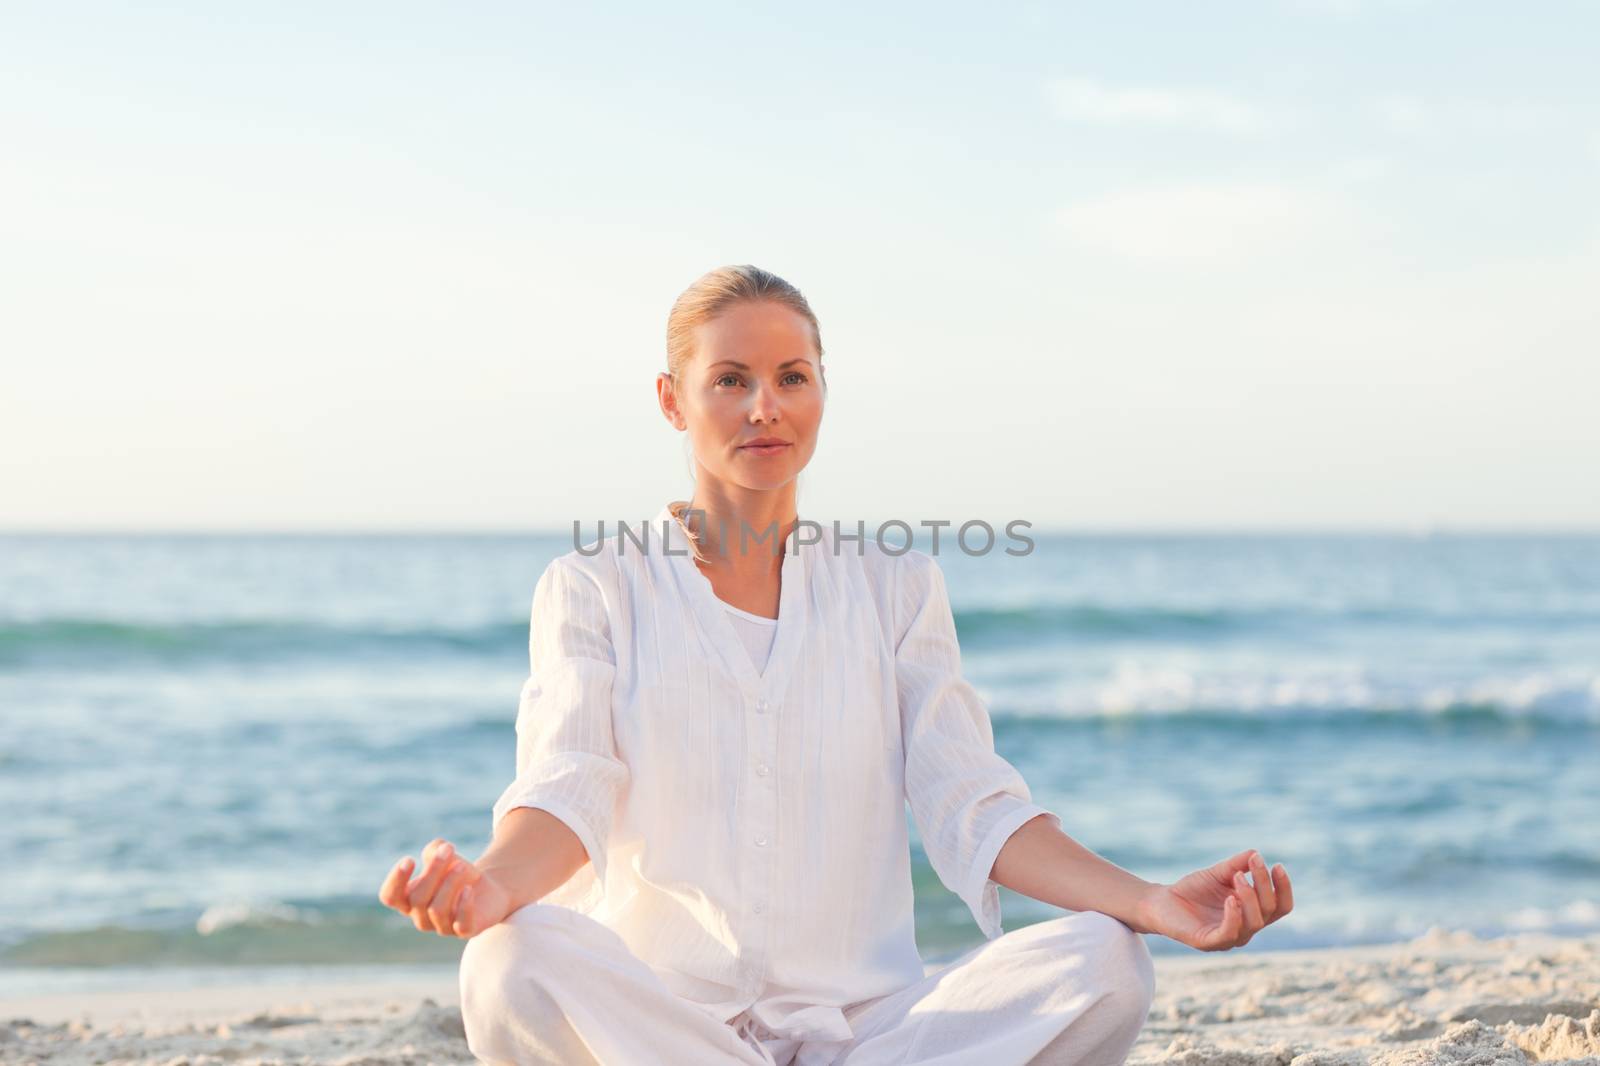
<point x="1275" y="265"/>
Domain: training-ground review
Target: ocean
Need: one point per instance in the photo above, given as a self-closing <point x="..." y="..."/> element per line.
<point x="213" y="747"/>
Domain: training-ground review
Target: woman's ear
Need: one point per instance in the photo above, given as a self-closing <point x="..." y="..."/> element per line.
<point x="668" y="400"/>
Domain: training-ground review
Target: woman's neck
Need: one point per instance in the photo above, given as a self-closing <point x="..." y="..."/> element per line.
<point x="748" y="536"/>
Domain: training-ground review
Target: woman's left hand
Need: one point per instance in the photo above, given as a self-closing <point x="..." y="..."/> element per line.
<point x="1219" y="908"/>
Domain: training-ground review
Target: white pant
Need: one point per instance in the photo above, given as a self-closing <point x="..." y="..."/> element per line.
<point x="550" y="985"/>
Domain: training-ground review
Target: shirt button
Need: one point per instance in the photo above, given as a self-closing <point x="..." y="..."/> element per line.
<point x="761" y="705"/>
<point x="758" y="908"/>
<point x="761" y="771"/>
<point x="761" y="842"/>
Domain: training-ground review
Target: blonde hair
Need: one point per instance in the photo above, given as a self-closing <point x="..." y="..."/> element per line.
<point x="717" y="290"/>
<point x="676" y="509"/>
<point x="711" y="294"/>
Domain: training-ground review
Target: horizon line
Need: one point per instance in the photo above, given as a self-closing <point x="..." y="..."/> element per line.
<point x="1419" y="531"/>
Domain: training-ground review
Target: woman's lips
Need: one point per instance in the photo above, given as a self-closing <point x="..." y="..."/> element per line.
<point x="763" y="449"/>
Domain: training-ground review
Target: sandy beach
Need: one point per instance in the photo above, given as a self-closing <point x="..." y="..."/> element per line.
<point x="1441" y="998"/>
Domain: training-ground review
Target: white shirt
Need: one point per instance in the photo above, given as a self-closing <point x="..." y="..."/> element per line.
<point x="756" y="633"/>
<point x="746" y="830"/>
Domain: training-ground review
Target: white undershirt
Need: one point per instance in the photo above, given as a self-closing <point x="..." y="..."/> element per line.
<point x="756" y="632"/>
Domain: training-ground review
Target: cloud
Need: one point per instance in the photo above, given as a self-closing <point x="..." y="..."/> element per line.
<point x="1411" y="114"/>
<point x="1086" y="100"/>
<point x="1353" y="7"/>
<point x="1204" y="222"/>
<point x="1404" y="114"/>
<point x="1359" y="170"/>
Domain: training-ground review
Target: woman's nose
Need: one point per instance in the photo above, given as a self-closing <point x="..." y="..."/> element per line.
<point x="764" y="405"/>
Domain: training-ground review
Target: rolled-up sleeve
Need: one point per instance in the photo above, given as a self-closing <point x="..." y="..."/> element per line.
<point x="567" y="760"/>
<point x="966" y="799"/>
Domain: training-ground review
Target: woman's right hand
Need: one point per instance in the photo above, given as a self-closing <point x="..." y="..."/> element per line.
<point x="451" y="897"/>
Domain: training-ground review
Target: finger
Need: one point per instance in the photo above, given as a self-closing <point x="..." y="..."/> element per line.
<point x="1227" y="934"/>
<point x="466" y="920"/>
<point x="427" y="861"/>
<point x="469" y="908"/>
<point x="421" y="891"/>
<point x="471" y="877"/>
<point x="1280" y="879"/>
<point x="1225" y="869"/>
<point x="442" y="910"/>
<point x="1251" y="905"/>
<point x="392" y="894"/>
<point x="419" y="868"/>
<point x="1266" y="895"/>
<point x="421" y="912"/>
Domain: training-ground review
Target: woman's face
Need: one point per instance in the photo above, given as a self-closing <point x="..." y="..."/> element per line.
<point x="755" y="374"/>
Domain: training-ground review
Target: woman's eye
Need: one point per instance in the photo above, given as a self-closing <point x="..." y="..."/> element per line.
<point x="731" y="378"/>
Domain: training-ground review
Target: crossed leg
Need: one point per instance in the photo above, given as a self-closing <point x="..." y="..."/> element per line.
<point x="1070" y="991"/>
<point x="549" y="985"/>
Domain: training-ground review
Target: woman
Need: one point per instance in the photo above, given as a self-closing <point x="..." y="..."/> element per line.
<point x="704" y="856"/>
